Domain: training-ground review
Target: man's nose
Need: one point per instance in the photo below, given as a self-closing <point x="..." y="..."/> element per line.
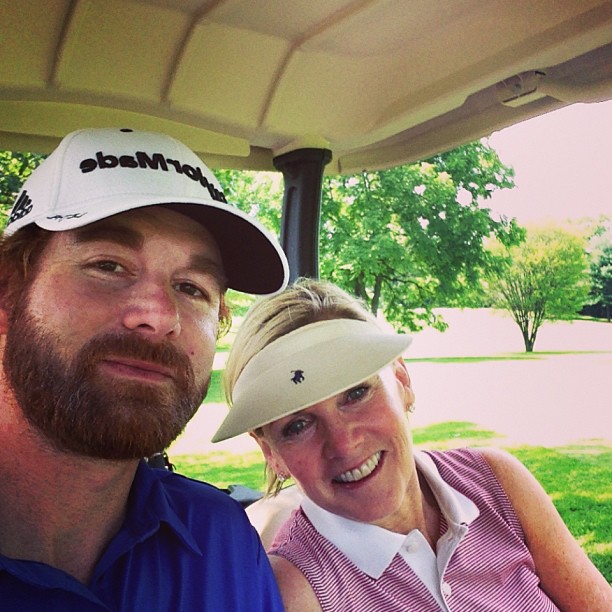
<point x="152" y="309"/>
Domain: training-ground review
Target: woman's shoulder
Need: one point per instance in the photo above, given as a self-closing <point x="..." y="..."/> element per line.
<point x="485" y="464"/>
<point x="296" y="592"/>
<point x="470" y="460"/>
<point x="269" y="514"/>
<point x="462" y="463"/>
<point x="482" y="476"/>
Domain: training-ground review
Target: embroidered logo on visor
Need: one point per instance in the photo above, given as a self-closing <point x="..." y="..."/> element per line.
<point x="298" y="376"/>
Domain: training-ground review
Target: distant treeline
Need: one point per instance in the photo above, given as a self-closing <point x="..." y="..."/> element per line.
<point x="597" y="311"/>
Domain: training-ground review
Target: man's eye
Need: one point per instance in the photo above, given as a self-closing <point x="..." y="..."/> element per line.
<point x="189" y="289"/>
<point x="108" y="265"/>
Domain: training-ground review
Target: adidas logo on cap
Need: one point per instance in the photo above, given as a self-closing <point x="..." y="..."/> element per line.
<point x="22" y="207"/>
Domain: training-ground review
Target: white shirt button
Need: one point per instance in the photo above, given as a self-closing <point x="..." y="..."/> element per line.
<point x="446" y="589"/>
<point x="411" y="547"/>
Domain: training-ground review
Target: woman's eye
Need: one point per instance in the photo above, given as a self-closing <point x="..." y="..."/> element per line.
<point x="294" y="428"/>
<point x="357" y="393"/>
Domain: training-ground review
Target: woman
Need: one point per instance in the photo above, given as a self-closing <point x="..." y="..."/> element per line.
<point x="325" y="393"/>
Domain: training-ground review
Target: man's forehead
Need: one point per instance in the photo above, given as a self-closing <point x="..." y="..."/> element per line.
<point x="113" y="229"/>
<point x="135" y="225"/>
<point x="133" y="228"/>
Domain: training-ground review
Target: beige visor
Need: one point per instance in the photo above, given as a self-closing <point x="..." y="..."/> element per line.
<point x="307" y="366"/>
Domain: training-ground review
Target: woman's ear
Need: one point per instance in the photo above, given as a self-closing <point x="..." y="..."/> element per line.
<point x="272" y="459"/>
<point x="403" y="378"/>
<point x="263" y="444"/>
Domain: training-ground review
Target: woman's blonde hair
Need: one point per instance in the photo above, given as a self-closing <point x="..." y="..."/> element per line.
<point x="304" y="302"/>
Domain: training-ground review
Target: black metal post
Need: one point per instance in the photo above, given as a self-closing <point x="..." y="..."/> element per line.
<point x="303" y="176"/>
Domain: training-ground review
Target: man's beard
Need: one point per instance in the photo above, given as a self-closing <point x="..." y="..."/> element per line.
<point x="78" y="410"/>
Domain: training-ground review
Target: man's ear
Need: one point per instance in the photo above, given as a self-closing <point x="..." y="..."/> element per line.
<point x="3" y="322"/>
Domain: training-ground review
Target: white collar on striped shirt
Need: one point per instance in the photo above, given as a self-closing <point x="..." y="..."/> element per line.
<point x="350" y="536"/>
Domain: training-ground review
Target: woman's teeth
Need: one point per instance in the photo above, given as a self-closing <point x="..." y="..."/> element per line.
<point x="362" y="471"/>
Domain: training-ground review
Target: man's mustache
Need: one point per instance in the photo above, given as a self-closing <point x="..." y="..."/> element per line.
<point x="133" y="346"/>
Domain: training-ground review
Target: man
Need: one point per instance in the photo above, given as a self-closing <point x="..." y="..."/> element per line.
<point x="113" y="270"/>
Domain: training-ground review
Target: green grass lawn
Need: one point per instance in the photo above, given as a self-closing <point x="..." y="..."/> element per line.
<point x="578" y="478"/>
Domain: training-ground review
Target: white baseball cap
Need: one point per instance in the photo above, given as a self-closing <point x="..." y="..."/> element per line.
<point x="97" y="173"/>
<point x="307" y="366"/>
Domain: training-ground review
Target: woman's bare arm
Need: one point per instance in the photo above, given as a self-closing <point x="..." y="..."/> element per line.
<point x="567" y="575"/>
<point x="295" y="590"/>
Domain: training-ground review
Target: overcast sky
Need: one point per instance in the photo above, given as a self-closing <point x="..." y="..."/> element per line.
<point x="562" y="163"/>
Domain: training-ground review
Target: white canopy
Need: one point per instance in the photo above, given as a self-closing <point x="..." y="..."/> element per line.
<point x="377" y="82"/>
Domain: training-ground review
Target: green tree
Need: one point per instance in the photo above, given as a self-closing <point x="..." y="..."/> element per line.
<point x="14" y="169"/>
<point x="257" y="193"/>
<point x="601" y="275"/>
<point x="600" y="252"/>
<point x="410" y="238"/>
<point x="544" y="278"/>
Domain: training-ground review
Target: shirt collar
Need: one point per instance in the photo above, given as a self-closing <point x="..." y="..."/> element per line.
<point x="149" y="506"/>
<point x="153" y="505"/>
<point x="351" y="537"/>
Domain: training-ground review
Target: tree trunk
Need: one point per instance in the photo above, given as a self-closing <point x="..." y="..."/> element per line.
<point x="528" y="340"/>
<point x="376" y="297"/>
<point x="528" y="331"/>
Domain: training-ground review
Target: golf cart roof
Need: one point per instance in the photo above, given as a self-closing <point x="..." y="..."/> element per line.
<point x="376" y="82"/>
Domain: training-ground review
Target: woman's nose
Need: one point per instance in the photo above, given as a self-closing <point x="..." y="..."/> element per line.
<point x="152" y="309"/>
<point x="341" y="438"/>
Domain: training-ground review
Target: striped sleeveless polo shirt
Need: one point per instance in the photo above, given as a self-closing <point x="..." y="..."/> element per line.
<point x="491" y="569"/>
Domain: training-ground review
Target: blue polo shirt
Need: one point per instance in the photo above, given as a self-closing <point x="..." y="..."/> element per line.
<point x="184" y="546"/>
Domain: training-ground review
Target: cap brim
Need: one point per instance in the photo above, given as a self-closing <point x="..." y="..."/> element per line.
<point x="252" y="259"/>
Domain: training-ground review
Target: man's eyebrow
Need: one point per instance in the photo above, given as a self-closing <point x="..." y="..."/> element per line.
<point x="126" y="236"/>
<point x="119" y="234"/>
<point x="205" y="265"/>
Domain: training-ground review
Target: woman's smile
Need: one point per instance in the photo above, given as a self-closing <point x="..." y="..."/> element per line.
<point x="361" y="472"/>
